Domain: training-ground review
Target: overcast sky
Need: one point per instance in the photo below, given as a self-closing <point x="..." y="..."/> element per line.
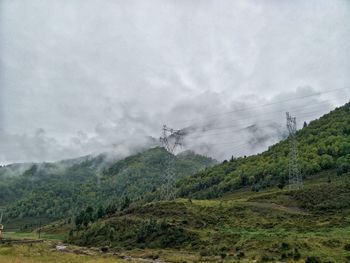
<point x="88" y="76"/>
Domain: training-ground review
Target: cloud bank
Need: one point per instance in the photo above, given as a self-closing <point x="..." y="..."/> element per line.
<point x="80" y="77"/>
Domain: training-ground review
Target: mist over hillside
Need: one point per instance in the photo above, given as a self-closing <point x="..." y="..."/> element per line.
<point x="57" y="190"/>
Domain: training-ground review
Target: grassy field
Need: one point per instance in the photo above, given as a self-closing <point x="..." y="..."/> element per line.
<point x="45" y="252"/>
<point x="34" y="235"/>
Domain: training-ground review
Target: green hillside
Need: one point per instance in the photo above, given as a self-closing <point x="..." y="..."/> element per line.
<point x="242" y="210"/>
<point x="270" y="225"/>
<point x="58" y="190"/>
<point x="323" y="144"/>
<point x="239" y="210"/>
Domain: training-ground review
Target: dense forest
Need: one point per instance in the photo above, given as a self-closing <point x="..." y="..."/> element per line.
<point x="58" y="190"/>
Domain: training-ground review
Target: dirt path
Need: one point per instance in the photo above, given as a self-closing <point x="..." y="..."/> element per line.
<point x="291" y="210"/>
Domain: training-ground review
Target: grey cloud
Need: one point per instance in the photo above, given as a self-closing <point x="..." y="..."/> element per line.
<point x="106" y="75"/>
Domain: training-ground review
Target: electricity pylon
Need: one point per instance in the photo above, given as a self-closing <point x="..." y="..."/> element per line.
<point x="295" y="178"/>
<point x="171" y="139"/>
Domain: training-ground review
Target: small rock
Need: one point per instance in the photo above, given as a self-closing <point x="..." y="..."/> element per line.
<point x="61" y="247"/>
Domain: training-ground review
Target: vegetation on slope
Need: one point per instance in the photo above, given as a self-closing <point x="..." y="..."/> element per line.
<point x="234" y="220"/>
<point x="55" y="192"/>
<point x="240" y="221"/>
<point x="324" y="144"/>
<point x="268" y="226"/>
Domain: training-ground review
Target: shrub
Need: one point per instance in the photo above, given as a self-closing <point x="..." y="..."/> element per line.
<point x="265" y="258"/>
<point x="285" y="246"/>
<point x="174" y="237"/>
<point x="104" y="249"/>
<point x="347" y="247"/>
<point x="223" y="255"/>
<point x="205" y="253"/>
<point x="296" y="255"/>
<point x="312" y="260"/>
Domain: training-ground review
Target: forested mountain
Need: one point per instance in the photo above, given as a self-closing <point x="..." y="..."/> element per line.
<point x="323" y="144"/>
<point x="251" y="215"/>
<point x="58" y="190"/>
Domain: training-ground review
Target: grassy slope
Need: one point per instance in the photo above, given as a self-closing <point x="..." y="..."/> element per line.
<point x="273" y="224"/>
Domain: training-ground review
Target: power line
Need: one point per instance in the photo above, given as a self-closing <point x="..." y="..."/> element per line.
<point x="238" y="147"/>
<point x="280" y="111"/>
<point x="232" y="144"/>
<point x="263" y="105"/>
<point x="247" y="126"/>
<point x="205" y="129"/>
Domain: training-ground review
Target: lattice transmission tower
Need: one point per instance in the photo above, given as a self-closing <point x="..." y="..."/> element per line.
<point x="170" y="139"/>
<point x="295" y="177"/>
